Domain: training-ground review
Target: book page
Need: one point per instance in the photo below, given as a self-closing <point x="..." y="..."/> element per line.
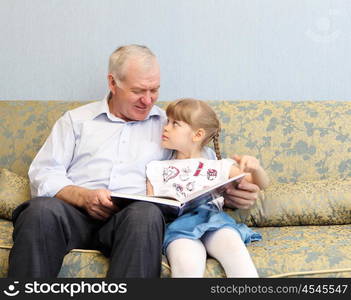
<point x="219" y="188"/>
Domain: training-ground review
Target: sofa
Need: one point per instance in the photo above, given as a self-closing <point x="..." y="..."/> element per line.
<point x="304" y="215"/>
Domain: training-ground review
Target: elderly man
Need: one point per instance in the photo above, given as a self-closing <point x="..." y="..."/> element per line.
<point x="93" y="150"/>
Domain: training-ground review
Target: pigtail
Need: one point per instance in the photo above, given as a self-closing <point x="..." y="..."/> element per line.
<point x="216" y="144"/>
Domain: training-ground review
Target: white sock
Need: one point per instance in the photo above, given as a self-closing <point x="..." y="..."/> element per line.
<point x="227" y="247"/>
<point x="187" y="258"/>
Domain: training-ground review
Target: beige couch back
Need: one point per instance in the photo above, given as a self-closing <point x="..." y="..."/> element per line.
<point x="295" y="141"/>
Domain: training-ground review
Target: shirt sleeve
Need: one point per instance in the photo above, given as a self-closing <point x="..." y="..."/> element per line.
<point x="48" y="171"/>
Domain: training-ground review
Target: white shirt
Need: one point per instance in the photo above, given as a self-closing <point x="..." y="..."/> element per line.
<point x="91" y="148"/>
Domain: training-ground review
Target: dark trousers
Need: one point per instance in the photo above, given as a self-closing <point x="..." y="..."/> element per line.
<point x="46" y="229"/>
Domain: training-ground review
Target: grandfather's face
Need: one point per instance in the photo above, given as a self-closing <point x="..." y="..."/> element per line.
<point x="133" y="98"/>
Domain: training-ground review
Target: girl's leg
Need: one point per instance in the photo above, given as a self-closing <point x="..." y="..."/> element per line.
<point x="187" y="258"/>
<point x="227" y="247"/>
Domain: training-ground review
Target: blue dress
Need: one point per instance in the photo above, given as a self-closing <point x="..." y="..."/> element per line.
<point x="180" y="178"/>
<point x="205" y="218"/>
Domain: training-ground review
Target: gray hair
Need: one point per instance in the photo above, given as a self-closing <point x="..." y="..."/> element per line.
<point x="121" y="55"/>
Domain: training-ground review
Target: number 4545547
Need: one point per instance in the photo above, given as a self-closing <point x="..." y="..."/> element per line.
<point x="324" y="288"/>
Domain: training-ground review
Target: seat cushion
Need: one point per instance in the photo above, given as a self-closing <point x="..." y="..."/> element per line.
<point x="296" y="251"/>
<point x="303" y="251"/>
<point x="291" y="251"/>
<point x="6" y="229"/>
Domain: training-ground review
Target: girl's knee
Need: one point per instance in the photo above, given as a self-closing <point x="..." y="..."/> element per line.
<point x="187" y="258"/>
<point x="224" y="238"/>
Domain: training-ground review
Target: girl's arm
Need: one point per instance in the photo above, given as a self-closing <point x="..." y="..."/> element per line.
<point x="149" y="188"/>
<point x="251" y="165"/>
<point x="260" y="177"/>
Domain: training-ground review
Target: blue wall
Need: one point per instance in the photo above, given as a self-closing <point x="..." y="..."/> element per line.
<point x="209" y="49"/>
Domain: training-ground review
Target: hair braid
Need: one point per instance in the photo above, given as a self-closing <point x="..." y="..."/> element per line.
<point x="216" y="145"/>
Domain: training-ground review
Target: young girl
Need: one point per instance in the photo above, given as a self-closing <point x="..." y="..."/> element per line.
<point x="191" y="125"/>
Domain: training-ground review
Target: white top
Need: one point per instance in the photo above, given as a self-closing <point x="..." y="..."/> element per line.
<point x="182" y="177"/>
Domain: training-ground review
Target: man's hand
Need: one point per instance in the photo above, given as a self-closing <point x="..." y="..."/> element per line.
<point x="244" y="196"/>
<point x="97" y="203"/>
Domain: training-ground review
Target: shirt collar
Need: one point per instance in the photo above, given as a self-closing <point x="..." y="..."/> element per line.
<point x="103" y="108"/>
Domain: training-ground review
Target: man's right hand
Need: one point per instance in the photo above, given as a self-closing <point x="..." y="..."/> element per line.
<point x="244" y="196"/>
<point x="97" y="203"/>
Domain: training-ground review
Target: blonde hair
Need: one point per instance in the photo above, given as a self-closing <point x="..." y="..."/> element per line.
<point x="121" y="55"/>
<point x="197" y="114"/>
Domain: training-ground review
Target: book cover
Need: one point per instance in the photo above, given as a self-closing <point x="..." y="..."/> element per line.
<point x="174" y="207"/>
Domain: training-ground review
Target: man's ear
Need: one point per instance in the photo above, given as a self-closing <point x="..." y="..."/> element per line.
<point x="199" y="135"/>
<point x="112" y="84"/>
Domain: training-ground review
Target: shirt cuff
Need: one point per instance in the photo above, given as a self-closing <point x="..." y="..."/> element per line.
<point x="50" y="188"/>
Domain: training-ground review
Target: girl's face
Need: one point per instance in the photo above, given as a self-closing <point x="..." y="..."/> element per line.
<point x="177" y="135"/>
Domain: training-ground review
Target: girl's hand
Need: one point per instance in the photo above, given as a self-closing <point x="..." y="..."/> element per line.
<point x="247" y="163"/>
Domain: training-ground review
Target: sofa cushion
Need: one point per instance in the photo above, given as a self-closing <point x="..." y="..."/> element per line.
<point x="303" y="251"/>
<point x="291" y="251"/>
<point x="297" y="251"/>
<point x="14" y="190"/>
<point x="323" y="202"/>
<point x="6" y="229"/>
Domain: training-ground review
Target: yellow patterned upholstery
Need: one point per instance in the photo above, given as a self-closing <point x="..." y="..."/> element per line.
<point x="14" y="190"/>
<point x="290" y="204"/>
<point x="304" y="216"/>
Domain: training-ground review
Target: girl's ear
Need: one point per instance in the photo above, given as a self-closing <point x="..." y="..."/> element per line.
<point x="199" y="135"/>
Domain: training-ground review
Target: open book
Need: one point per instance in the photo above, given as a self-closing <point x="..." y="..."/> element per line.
<point x="173" y="207"/>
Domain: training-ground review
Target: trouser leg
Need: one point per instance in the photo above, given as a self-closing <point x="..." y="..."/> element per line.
<point x="45" y="230"/>
<point x="133" y="240"/>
